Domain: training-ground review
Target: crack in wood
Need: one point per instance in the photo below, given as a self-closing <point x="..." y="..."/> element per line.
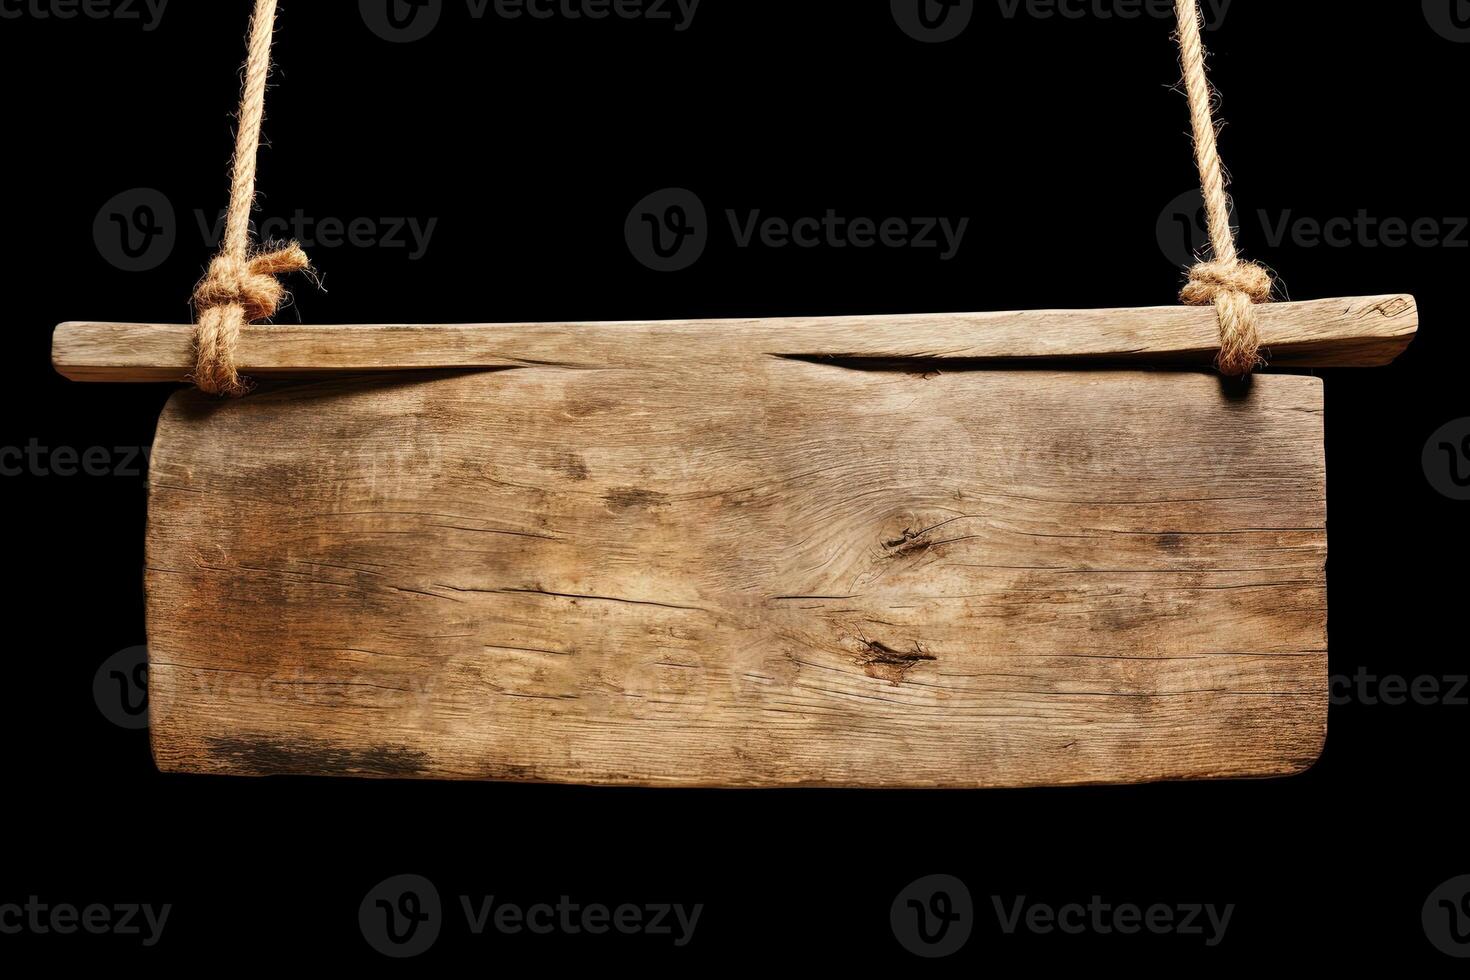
<point x="886" y="663"/>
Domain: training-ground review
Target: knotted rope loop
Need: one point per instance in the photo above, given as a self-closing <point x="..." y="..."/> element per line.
<point x="251" y="285"/>
<point x="233" y="294"/>
<point x="241" y="284"/>
<point x="1233" y="286"/>
<point x="1208" y="279"/>
<point x="1234" y="289"/>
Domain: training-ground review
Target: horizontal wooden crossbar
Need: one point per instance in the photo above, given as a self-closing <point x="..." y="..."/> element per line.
<point x="1358" y="332"/>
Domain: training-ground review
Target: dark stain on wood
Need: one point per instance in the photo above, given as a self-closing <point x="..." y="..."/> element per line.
<point x="633" y="498"/>
<point x="269" y="756"/>
<point x="1171" y="543"/>
<point x="572" y="465"/>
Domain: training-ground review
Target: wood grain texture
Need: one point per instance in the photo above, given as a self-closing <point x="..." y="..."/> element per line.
<point x="777" y="573"/>
<point x="1322" y="333"/>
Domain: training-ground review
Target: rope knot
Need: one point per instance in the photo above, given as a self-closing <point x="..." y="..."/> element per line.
<point x="234" y="292"/>
<point x="1234" y="288"/>
<point x="249" y="283"/>
<point x="1208" y="280"/>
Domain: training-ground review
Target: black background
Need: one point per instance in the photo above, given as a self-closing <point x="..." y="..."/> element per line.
<point x="530" y="141"/>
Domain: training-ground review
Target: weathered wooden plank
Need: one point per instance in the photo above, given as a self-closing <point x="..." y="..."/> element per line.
<point x="784" y="573"/>
<point x="1322" y="333"/>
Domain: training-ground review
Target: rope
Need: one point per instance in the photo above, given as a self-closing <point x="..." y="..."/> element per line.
<point x="241" y="284"/>
<point x="1232" y="285"/>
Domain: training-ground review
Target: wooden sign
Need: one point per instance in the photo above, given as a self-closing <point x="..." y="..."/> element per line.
<point x="957" y="550"/>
